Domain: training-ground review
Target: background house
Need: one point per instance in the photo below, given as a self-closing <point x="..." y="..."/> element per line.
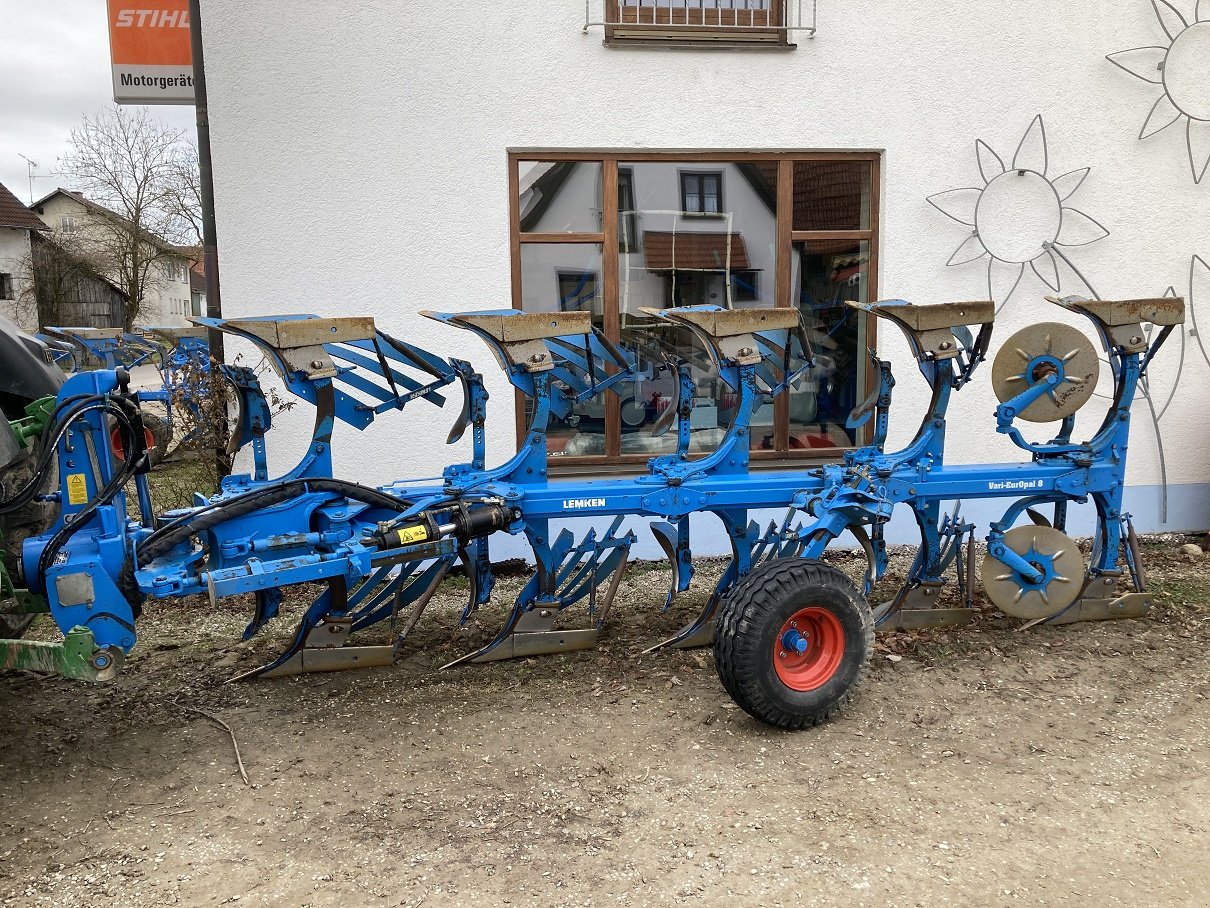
<point x="519" y="155"/>
<point x="17" y="227"/>
<point x="69" y="291"/>
<point x="104" y="238"/>
<point x="197" y="286"/>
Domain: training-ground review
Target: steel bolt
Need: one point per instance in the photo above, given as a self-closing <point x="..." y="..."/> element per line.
<point x="317" y="364"/>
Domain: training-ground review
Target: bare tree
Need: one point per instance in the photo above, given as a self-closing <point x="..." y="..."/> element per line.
<point x="135" y="173"/>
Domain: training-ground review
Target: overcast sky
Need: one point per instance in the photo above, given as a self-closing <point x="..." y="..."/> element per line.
<point x="54" y="69"/>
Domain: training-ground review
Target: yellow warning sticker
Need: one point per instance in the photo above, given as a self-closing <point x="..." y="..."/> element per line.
<point x="413" y="534"/>
<point x="77" y="489"/>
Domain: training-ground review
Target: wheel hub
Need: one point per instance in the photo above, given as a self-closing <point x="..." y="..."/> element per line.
<point x="808" y="649"/>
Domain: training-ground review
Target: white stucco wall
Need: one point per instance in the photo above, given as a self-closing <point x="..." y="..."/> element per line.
<point x="14" y="260"/>
<point x="379" y="134"/>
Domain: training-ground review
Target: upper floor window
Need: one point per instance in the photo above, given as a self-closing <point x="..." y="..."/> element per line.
<point x="615" y="233"/>
<point x="702" y="193"/>
<point x="67" y="223"/>
<point x="6" y="286"/>
<point x="752" y="23"/>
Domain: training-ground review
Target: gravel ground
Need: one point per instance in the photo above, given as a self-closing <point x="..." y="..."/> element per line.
<point x="980" y="766"/>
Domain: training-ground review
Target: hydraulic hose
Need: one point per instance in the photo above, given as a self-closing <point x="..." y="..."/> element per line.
<point x="45" y="451"/>
<point x="129" y="425"/>
<point x="168" y="537"/>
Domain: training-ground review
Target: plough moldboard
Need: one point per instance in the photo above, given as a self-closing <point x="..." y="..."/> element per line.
<point x="791" y="635"/>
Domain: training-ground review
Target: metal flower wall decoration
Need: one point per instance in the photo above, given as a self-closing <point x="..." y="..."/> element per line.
<point x="1199" y="289"/>
<point x="1182" y="71"/>
<point x="1020" y="216"/>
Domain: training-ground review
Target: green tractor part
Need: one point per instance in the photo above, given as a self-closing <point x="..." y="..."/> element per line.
<point x="76" y="657"/>
<point x="37" y="418"/>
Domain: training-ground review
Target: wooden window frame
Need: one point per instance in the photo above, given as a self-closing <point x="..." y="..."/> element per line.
<point x="561" y="273"/>
<point x="632" y="219"/>
<point x="684" y="175"/>
<point x="668" y="34"/>
<point x="607" y="238"/>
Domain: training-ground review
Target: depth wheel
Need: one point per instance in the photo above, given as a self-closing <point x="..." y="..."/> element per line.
<point x="791" y="642"/>
<point x="1054" y="554"/>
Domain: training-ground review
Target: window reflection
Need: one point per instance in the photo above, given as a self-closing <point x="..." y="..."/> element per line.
<point x="566" y="277"/>
<point x="706" y="235"/>
<point x="559" y="196"/>
<point x="693" y="231"/>
<point x="831" y="195"/>
<point x="825" y="273"/>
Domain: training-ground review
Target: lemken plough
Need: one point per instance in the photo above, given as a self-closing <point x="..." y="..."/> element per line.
<point x="791" y="635"/>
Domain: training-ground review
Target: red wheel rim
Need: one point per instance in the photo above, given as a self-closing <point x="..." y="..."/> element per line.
<point x="809" y="648"/>
<point x="119" y="449"/>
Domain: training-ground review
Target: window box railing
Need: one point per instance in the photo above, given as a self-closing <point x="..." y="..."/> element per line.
<point x="701" y="22"/>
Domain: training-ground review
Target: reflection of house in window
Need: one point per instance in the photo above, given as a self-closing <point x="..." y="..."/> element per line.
<point x="683" y="238"/>
<point x="695" y="265"/>
<point x="628" y="216"/>
<point x="702" y="193"/>
<point x="578" y="291"/>
<point x="745" y="285"/>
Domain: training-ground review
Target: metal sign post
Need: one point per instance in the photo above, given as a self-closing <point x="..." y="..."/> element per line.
<point x="156" y="52"/>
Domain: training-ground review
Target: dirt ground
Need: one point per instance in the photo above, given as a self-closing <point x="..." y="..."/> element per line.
<point x="980" y="766"/>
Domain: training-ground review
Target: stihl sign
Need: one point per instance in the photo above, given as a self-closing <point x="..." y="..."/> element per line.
<point x="150" y="50"/>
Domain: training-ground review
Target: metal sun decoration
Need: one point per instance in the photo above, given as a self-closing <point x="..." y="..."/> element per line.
<point x="1199" y="273"/>
<point x="1182" y="70"/>
<point x="1019" y="216"/>
<point x="1199" y="279"/>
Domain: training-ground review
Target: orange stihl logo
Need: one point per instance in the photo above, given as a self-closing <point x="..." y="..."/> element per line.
<point x="152" y="18"/>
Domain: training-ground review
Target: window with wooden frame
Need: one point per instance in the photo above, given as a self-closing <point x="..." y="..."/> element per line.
<point x="751" y="23"/>
<point x="702" y="193"/>
<point x="610" y="233"/>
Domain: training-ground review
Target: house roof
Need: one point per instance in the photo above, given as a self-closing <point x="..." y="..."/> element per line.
<point x="694" y="251"/>
<point x="121" y="219"/>
<point x="14" y="214"/>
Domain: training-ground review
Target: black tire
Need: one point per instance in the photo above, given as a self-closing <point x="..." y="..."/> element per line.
<point x="746" y="643"/>
<point x="13" y="627"/>
<point x="31" y="519"/>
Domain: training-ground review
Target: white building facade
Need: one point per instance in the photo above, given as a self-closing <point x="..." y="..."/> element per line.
<point x="456" y="157"/>
<point x="17" y="223"/>
<point x="14" y="274"/>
